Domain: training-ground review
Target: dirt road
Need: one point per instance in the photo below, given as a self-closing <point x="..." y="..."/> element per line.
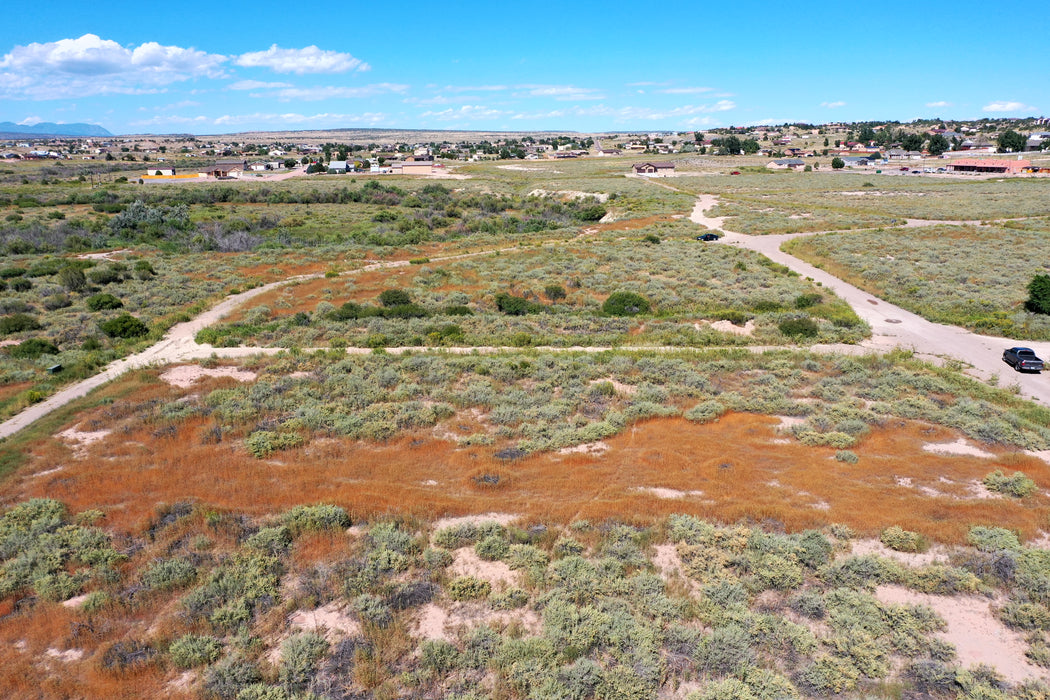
<point x="891" y="325"/>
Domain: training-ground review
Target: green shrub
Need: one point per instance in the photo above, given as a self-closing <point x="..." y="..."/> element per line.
<point x="993" y="539"/>
<point x="705" y="411"/>
<point x="265" y="442"/>
<point x="1025" y="616"/>
<point x="439" y="656"/>
<point x="372" y="610"/>
<point x="1018" y="485"/>
<point x="847" y="457"/>
<point x="554" y="292"/>
<point x="492" y="548"/>
<point x="1039" y="295"/>
<point x="830" y="439"/>
<point x="315" y="518"/>
<point x="21" y="285"/>
<point x="33" y="348"/>
<point x="105" y="275"/>
<point x="516" y="306"/>
<point x="165" y="574"/>
<point x="17" y="323"/>
<point x="300" y="656"/>
<point x="468" y="588"/>
<point x="194" y="650"/>
<point x="72" y="278"/>
<point x="901" y="540"/>
<point x="804" y="327"/>
<point x="727" y="650"/>
<point x="274" y="541"/>
<point x="101" y="302"/>
<point x="394" y="297"/>
<point x="625" y="304"/>
<point x="229" y="676"/>
<point x="510" y="599"/>
<point x="124" y="326"/>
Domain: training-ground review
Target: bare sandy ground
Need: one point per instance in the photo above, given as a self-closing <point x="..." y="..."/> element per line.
<point x="184" y="376"/>
<point x="978" y="637"/>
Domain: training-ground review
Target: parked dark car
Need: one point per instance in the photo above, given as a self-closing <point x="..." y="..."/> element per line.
<point x="1022" y="359"/>
<point x="708" y="237"/>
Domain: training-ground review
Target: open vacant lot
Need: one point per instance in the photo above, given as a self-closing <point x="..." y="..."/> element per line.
<point x="520" y="436"/>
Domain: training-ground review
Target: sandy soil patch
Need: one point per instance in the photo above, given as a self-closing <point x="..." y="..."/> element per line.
<point x="571" y="194"/>
<point x="436" y="622"/>
<point x="108" y="255"/>
<point x="501" y="518"/>
<point x="959" y="447"/>
<point x="75" y="601"/>
<point x="8" y="343"/>
<point x="80" y="440"/>
<point x="725" y="326"/>
<point x="185" y="375"/>
<point x="183" y="681"/>
<point x="789" y="422"/>
<point x="625" y="389"/>
<point x="333" y="619"/>
<point x="527" y="170"/>
<point x="660" y="492"/>
<point x="588" y="448"/>
<point x="977" y="636"/>
<point x="466" y="562"/>
<point x="67" y="656"/>
<point x="934" y="555"/>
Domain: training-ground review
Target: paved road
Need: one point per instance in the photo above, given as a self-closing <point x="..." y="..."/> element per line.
<point x="891" y="325"/>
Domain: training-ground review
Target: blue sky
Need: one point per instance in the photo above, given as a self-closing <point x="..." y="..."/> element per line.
<point x="221" y="67"/>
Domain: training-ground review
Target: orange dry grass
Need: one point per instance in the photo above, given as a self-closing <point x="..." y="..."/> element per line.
<point x="741" y="472"/>
<point x="631" y="224"/>
<point x="30" y="672"/>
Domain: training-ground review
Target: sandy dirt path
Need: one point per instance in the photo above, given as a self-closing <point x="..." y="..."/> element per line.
<point x="891" y="325"/>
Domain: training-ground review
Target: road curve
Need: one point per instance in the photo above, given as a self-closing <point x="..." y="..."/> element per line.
<point x="891" y="325"/>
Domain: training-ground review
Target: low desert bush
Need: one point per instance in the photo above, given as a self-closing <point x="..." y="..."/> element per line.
<point x="194" y="650"/>
<point x="1018" y="485"/>
<point x="901" y="540"/>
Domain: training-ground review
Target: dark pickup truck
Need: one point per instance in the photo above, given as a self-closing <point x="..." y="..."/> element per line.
<point x="1022" y="359"/>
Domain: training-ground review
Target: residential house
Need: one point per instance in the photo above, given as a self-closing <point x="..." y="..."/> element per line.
<point x="901" y="154"/>
<point x="338" y="167"/>
<point x="227" y="169"/>
<point x="1035" y="141"/>
<point x="786" y="164"/>
<point x="610" y="152"/>
<point x="654" y="169"/>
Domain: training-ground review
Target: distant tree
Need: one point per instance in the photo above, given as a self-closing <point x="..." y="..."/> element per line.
<point x="290" y="163"/>
<point x="729" y="145"/>
<point x="938" y="145"/>
<point x="866" y="135"/>
<point x="304" y="160"/>
<point x="837" y="163"/>
<point x="1045" y="145"/>
<point x="1039" y="295"/>
<point x="912" y="142"/>
<point x="749" y="146"/>
<point x="1011" y="142"/>
<point x="825" y="142"/>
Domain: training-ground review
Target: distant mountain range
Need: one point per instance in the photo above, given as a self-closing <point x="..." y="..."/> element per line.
<point x="12" y="130"/>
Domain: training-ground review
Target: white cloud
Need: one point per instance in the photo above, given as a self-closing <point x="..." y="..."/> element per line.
<point x="332" y="92"/>
<point x="685" y="90"/>
<point x="637" y="114"/>
<point x="325" y="118"/>
<point x="256" y="85"/>
<point x="833" y="105"/>
<point x="90" y="65"/>
<point x="562" y="92"/>
<point x="30" y="121"/>
<point x="1009" y="107"/>
<point x="465" y="112"/>
<point x="300" y="61"/>
<point x="939" y="103"/>
<point x="475" y="88"/>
